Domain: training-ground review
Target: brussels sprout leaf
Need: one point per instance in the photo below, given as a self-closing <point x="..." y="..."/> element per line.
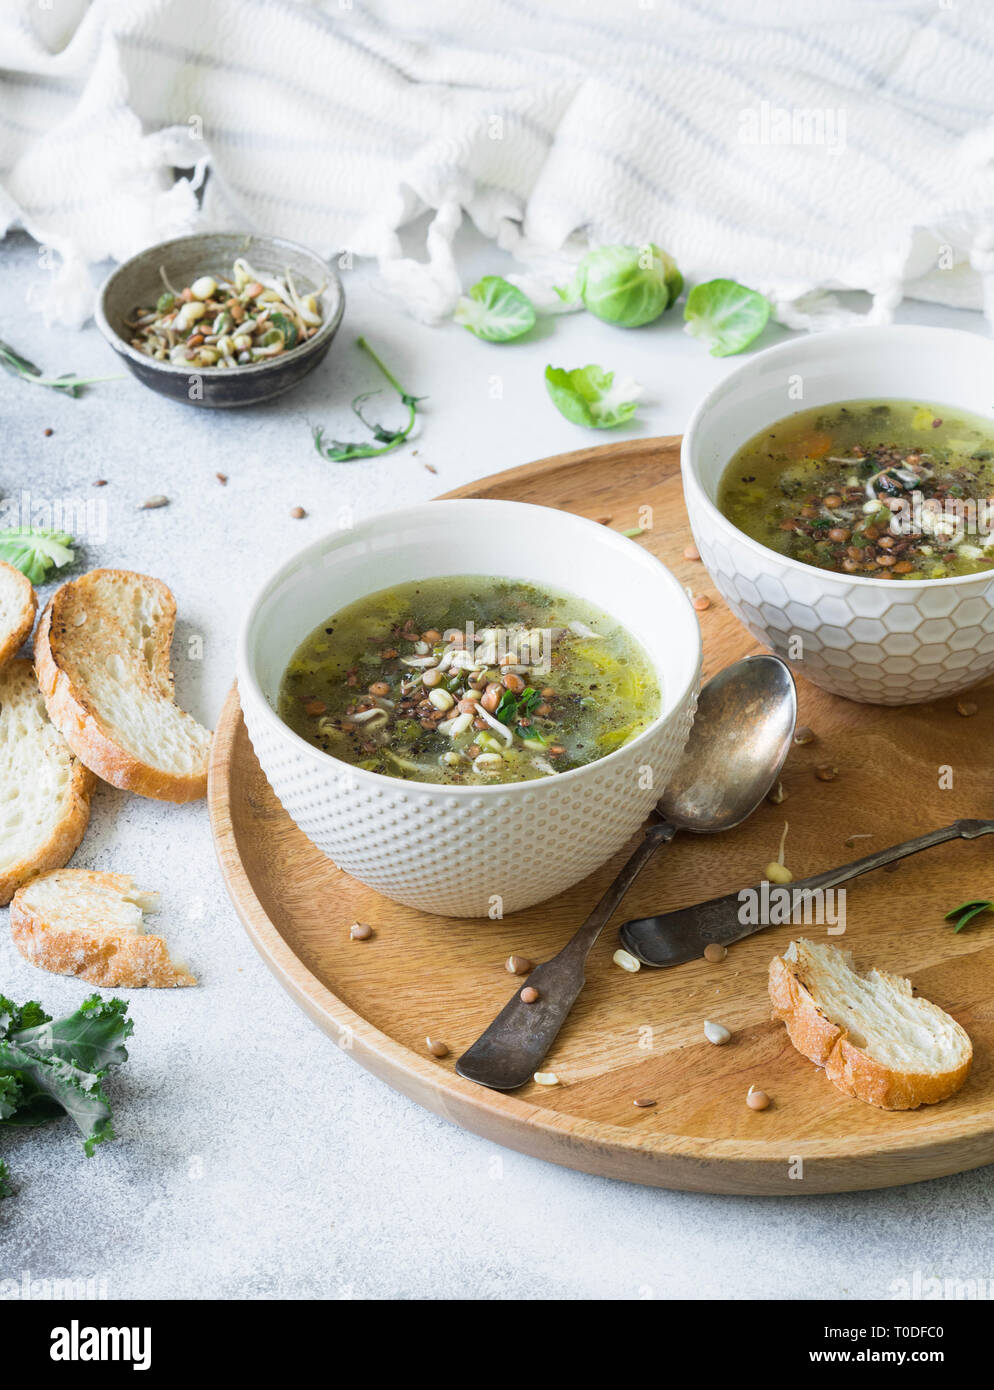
<point x="590" y="396"/>
<point x="495" y="310"/>
<point x="725" y="315"/>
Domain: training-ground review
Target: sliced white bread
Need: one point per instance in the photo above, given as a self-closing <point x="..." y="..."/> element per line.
<point x="102" y="657"/>
<point x="79" y="922"/>
<point x="18" y="605"/>
<point x="44" y="789"/>
<point x="876" y="1040"/>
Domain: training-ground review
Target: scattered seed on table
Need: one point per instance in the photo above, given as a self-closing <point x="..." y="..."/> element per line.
<point x="778" y="795"/>
<point x="101" y="482"/>
<point x="634" y="532"/>
<point x="360" y="931"/>
<point x="297" y="513"/>
<point x="716" y="1033"/>
<point x="49" y="432"/>
<point x="714" y="951"/>
<point x="702" y="603"/>
<point x="546" y="1078"/>
<point x="151" y="503"/>
<point x="431" y="468"/>
<point x="756" y="1099"/>
<point x="222" y="478"/>
<point x="804" y="735"/>
<point x="518" y="965"/>
<point x="965" y="708"/>
<point x="643" y="1103"/>
<point x="604" y="520"/>
<point x="627" y="961"/>
<point x="529" y="995"/>
<point x="436" y="1048"/>
<point x="690" y="552"/>
<point x="825" y="772"/>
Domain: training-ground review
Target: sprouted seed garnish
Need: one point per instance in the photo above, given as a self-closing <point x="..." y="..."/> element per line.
<point x="776" y="871"/>
<point x="68" y="383"/>
<point x="219" y="322"/>
<point x="468" y="679"/>
<point x="757" y="1099"/>
<point x="384" y="439"/>
<point x="967" y="911"/>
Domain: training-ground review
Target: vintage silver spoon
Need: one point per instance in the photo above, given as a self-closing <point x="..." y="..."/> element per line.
<point x="737" y="746"/>
<point x="674" y="937"/>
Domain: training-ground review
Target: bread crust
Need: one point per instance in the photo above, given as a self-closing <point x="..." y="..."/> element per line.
<point x="65" y="838"/>
<point x="13" y="640"/>
<point x="81" y="725"/>
<point x="108" y="959"/>
<point x="847" y="1066"/>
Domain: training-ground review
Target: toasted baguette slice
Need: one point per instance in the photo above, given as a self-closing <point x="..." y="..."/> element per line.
<point x="102" y="657"/>
<point x="44" y="789"/>
<point x="875" y="1039"/>
<point x="18" y="604"/>
<point x="78" y="922"/>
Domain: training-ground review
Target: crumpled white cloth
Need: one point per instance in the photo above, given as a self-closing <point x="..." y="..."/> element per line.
<point x="794" y="145"/>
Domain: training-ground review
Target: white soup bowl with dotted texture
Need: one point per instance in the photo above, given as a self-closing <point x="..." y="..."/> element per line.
<point x="881" y="641"/>
<point x="470" y="851"/>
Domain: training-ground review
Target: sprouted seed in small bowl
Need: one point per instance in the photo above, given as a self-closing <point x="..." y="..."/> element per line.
<point x="219" y="322"/>
<point x="469" y="680"/>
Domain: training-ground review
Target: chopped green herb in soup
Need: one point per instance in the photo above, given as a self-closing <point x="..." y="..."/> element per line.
<point x="469" y="680"/>
<point x="891" y="489"/>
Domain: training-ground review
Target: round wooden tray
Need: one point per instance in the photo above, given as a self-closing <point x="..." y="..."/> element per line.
<point x="640" y="1036"/>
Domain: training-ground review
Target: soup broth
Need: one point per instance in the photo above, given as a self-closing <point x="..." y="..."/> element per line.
<point x="893" y="489"/>
<point x="469" y="680"/>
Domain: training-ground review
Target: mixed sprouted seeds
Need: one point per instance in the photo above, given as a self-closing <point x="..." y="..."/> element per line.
<point x="226" y="321"/>
<point x="469" y="680"/>
<point x="888" y="489"/>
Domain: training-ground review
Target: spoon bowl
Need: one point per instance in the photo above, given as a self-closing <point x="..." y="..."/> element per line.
<point x="737" y="746"/>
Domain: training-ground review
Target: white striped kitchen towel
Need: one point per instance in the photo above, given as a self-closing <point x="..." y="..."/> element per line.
<point x="795" y="145"/>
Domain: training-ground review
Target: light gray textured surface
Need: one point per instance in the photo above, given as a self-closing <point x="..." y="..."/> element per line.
<point x="256" y="1159"/>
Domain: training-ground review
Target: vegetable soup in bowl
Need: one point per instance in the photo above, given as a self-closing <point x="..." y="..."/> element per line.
<point x="841" y="492"/>
<point x="460" y="714"/>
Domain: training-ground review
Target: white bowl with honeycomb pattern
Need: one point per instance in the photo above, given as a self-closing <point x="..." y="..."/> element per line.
<point x="880" y="641"/>
<point x="470" y="851"/>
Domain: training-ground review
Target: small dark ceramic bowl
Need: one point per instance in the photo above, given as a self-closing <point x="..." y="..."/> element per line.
<point x="138" y="282"/>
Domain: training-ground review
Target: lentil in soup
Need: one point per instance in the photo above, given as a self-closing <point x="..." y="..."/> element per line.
<point x="469" y="680"/>
<point x="892" y="489"/>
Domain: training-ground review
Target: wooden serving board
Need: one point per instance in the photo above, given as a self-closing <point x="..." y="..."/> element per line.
<point x="640" y="1036"/>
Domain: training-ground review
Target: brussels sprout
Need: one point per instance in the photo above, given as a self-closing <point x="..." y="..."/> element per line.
<point x="626" y="285"/>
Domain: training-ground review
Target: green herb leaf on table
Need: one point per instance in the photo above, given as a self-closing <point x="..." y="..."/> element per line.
<point x="725" y="315"/>
<point x="967" y="911"/>
<point x="495" y="310"/>
<point x="52" y="1069"/>
<point x="590" y="396"/>
<point x="35" y="551"/>
<point x="385" y="439"/>
<point x="27" y="371"/>
<point x="625" y="285"/>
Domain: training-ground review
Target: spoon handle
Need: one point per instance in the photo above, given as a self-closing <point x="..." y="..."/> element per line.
<point x="671" y="938"/>
<point x="510" y="1051"/>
